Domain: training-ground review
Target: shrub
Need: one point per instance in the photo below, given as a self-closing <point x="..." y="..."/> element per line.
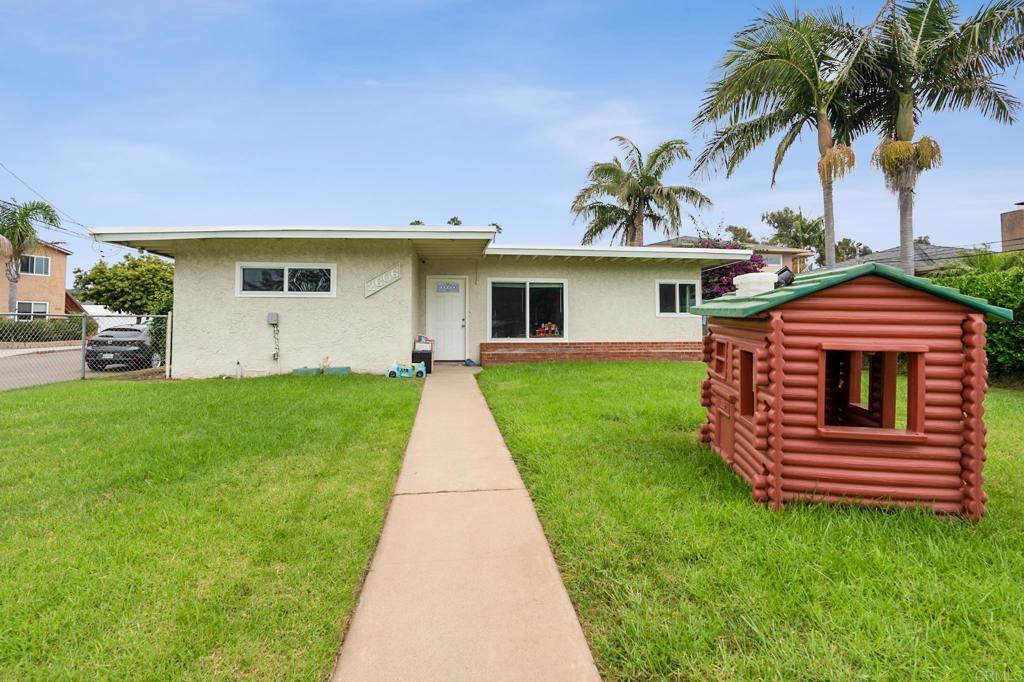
<point x="1005" y="339"/>
<point x="717" y="281"/>
<point x="45" y="329"/>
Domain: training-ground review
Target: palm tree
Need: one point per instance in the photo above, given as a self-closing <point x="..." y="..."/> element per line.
<point x="784" y="74"/>
<point x="637" y="194"/>
<point x="18" y="237"/>
<point x="922" y="59"/>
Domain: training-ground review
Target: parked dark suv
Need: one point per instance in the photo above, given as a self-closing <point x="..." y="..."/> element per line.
<point x="128" y="346"/>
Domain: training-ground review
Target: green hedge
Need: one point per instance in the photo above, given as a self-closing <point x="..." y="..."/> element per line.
<point x="1005" y="339"/>
<point x="41" y="329"/>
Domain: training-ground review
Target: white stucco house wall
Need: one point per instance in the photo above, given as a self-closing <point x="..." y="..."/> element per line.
<point x="358" y="297"/>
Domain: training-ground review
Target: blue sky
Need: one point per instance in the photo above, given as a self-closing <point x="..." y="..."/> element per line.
<point x="362" y="112"/>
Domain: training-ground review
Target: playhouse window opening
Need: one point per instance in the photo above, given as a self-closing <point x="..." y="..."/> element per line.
<point x="718" y="358"/>
<point x="747" y="383"/>
<point x="861" y="389"/>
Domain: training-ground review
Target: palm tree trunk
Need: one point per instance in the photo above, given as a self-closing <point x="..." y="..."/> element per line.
<point x="829" y="241"/>
<point x="636" y="236"/>
<point x="12" y="286"/>
<point x="906" y="204"/>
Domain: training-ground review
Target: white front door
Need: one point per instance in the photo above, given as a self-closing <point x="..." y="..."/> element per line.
<point x="446" y="316"/>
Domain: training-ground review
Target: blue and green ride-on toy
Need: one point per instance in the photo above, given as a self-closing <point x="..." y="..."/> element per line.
<point x="408" y="369"/>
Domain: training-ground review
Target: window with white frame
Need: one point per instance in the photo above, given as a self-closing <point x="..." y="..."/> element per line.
<point x="527" y="309"/>
<point x="771" y="258"/>
<point x="35" y="265"/>
<point x="278" y="279"/>
<point x="677" y="297"/>
<point x="28" y="310"/>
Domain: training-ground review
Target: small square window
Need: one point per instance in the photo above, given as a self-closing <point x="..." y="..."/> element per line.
<point x="676" y="298"/>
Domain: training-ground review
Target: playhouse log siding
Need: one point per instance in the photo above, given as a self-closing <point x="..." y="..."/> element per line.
<point x="785" y="450"/>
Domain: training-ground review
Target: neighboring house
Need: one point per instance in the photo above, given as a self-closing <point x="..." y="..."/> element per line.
<point x="358" y="296"/>
<point x="42" y="282"/>
<point x="775" y="257"/>
<point x="927" y="257"/>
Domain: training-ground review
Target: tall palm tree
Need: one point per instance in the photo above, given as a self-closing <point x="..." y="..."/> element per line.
<point x="922" y="59"/>
<point x="17" y="230"/>
<point x="784" y="74"/>
<point x="638" y="193"/>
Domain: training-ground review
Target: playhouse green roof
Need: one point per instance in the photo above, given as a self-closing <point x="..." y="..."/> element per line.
<point x="808" y="283"/>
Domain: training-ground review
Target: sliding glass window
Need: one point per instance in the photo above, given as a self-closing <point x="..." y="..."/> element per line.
<point x="527" y="309"/>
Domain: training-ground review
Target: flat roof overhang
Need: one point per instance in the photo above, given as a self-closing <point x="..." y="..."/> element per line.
<point x="445" y="241"/>
<point x="451" y="241"/>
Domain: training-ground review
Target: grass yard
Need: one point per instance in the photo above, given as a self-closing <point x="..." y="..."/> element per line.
<point x="199" y="530"/>
<point x="678" y="575"/>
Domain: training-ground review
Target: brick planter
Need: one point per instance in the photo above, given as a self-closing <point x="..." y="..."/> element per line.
<point x="507" y="352"/>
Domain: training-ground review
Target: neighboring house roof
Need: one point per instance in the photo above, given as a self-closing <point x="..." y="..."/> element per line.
<point x="927" y="257"/>
<point x="71" y="304"/>
<point x="808" y="283"/>
<point x="757" y="247"/>
<point x="55" y="247"/>
<point x="429" y="241"/>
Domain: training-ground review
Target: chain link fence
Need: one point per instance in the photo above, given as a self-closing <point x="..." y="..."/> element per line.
<point x="36" y="348"/>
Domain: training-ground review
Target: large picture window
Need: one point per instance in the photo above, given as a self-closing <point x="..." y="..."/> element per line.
<point x="273" y="279"/>
<point x="676" y="297"/>
<point x="527" y="309"/>
<point x="35" y="265"/>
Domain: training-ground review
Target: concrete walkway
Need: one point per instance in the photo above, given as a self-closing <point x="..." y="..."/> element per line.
<point x="463" y="585"/>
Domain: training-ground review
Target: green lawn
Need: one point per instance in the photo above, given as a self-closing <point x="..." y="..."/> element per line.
<point x="678" y="575"/>
<point x="198" y="530"/>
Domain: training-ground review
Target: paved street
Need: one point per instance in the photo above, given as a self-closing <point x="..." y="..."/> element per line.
<point x="41" y="368"/>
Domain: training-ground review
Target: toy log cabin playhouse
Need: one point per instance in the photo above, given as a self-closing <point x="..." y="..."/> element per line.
<point x="803" y="399"/>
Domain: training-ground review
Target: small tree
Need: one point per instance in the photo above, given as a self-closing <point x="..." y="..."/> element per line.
<point x="795" y="230"/>
<point x="741" y="234"/>
<point x="454" y="220"/>
<point x="416" y="222"/>
<point x="848" y="249"/>
<point x="137" y="285"/>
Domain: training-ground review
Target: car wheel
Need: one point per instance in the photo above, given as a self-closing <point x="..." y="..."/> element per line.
<point x="419" y="374"/>
<point x="95" y="366"/>
<point x="155" y="359"/>
<point x="392" y="374"/>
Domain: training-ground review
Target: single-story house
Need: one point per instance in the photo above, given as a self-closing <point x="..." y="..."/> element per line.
<point x="253" y="300"/>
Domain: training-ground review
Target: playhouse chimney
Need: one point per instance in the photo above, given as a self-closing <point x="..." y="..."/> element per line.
<point x="754" y="283"/>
